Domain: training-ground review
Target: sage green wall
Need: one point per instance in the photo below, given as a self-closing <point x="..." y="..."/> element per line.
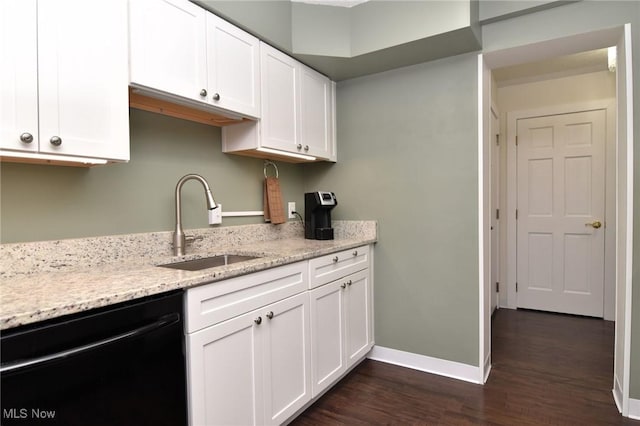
<point x="52" y="202"/>
<point x="321" y="30"/>
<point x="407" y="150"/>
<point x="575" y="18"/>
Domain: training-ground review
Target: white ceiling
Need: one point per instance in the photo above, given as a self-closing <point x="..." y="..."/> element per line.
<point x="563" y="66"/>
<point x="341" y="3"/>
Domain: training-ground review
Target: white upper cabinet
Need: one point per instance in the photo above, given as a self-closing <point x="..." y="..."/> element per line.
<point x="180" y="50"/>
<point x="280" y="100"/>
<point x="168" y="47"/>
<point x="316" y="105"/>
<point x="66" y="74"/>
<point x="297" y="113"/>
<point x="18" y="75"/>
<point x="233" y="67"/>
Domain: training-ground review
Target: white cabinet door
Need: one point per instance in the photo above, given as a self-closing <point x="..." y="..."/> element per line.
<point x="315" y="113"/>
<point x="18" y="75"/>
<point x="328" y="354"/>
<point x="233" y="67"/>
<point x="82" y="83"/>
<point x="358" y="316"/>
<point x="224" y="365"/>
<point x="280" y="100"/>
<point x="287" y="359"/>
<point x="168" y="47"/>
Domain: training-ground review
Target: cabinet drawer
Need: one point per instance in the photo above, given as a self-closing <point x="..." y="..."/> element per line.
<point x="337" y="265"/>
<point x="220" y="301"/>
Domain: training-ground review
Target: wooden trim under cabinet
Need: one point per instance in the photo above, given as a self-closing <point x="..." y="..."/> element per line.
<point x="141" y="101"/>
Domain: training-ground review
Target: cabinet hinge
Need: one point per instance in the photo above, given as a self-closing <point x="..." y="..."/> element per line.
<point x="516" y="286"/>
<point x="497" y="214"/>
<point x="497" y="287"/>
<point x="516" y="214"/>
<point x="516" y="140"/>
<point x="498" y="140"/>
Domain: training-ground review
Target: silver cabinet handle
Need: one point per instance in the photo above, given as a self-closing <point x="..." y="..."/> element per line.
<point x="355" y="253"/>
<point x="349" y="283"/>
<point x="203" y="92"/>
<point x="306" y="147"/>
<point x="258" y="320"/>
<point x="335" y="259"/>
<point x="216" y="96"/>
<point x="269" y="314"/>
<point x="299" y="146"/>
<point x="343" y="286"/>
<point x="26" y="137"/>
<point x="55" y="141"/>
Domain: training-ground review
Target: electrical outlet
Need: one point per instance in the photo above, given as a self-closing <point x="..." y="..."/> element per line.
<point x="215" y="216"/>
<point x="291" y="209"/>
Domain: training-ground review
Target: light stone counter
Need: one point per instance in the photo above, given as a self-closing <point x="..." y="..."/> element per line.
<point x="43" y="280"/>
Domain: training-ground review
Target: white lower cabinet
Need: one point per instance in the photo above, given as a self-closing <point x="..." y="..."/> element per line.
<point x="260" y="347"/>
<point x="328" y="335"/>
<point x="341" y="332"/>
<point x="253" y="369"/>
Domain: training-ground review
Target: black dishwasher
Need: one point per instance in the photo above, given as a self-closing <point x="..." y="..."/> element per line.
<point x="119" y="365"/>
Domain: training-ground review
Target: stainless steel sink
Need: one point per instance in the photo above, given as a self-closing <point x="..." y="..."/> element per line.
<point x="209" y="262"/>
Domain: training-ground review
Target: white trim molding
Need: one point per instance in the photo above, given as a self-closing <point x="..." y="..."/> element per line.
<point x="441" y="367"/>
<point x="634" y="408"/>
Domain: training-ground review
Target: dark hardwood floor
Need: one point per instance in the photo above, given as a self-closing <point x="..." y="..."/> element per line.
<point x="548" y="369"/>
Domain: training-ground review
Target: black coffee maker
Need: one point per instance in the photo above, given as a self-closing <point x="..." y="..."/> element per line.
<point x="317" y="215"/>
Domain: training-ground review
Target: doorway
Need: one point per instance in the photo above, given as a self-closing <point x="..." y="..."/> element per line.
<point x="623" y="174"/>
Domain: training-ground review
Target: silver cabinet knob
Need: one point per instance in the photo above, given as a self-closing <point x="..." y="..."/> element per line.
<point x="26" y="137"/>
<point x="269" y="314"/>
<point x="355" y="253"/>
<point x="335" y="259"/>
<point x="299" y="146"/>
<point x="343" y="286"/>
<point x="203" y="92"/>
<point x="306" y="147"/>
<point x="216" y="96"/>
<point x="55" y="141"/>
<point x="258" y="320"/>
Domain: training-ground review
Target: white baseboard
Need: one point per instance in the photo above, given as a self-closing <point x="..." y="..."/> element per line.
<point x="487" y="368"/>
<point x="634" y="409"/>
<point x="617" y="393"/>
<point x="441" y="367"/>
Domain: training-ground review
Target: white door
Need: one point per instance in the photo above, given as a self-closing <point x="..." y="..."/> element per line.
<point x="168" y="47"/>
<point x="18" y="75"/>
<point x="315" y="113"/>
<point x="233" y="67"/>
<point x="287" y="358"/>
<point x="327" y="334"/>
<point x="495" y="203"/>
<point x="358" y="316"/>
<point x="224" y="365"/>
<point x="560" y="241"/>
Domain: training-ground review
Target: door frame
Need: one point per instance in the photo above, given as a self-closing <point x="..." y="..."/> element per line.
<point x="610" y="208"/>
<point x="615" y="36"/>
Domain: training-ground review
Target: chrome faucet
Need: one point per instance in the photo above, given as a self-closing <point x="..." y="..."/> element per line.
<point x="179" y="240"/>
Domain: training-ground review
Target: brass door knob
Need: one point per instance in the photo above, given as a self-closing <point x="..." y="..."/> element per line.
<point x="597" y="224"/>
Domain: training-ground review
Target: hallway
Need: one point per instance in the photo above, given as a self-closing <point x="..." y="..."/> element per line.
<point x="547" y="369"/>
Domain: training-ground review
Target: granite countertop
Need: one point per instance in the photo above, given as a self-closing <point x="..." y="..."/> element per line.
<point x="44" y="280"/>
